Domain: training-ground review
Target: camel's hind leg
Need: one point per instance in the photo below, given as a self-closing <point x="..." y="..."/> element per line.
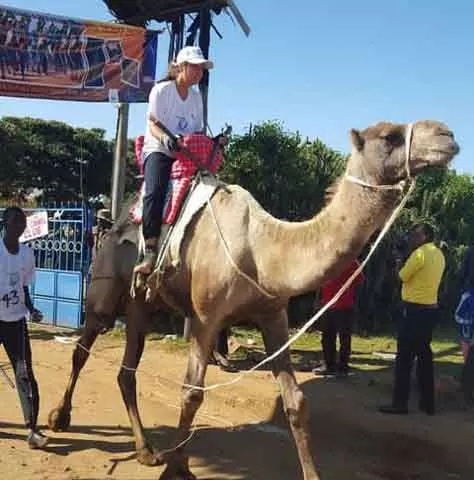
<point x="59" y="418"/>
<point x="275" y="334"/>
<point x="136" y="322"/>
<point x="201" y="347"/>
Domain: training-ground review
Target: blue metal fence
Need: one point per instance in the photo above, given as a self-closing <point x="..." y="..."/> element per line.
<point x="62" y="263"/>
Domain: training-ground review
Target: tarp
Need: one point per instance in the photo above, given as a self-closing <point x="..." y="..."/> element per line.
<point x="52" y="57"/>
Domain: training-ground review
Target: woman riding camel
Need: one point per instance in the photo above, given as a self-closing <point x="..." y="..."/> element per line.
<point x="177" y="106"/>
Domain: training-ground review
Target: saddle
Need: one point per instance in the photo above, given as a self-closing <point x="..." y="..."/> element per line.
<point x="205" y="157"/>
<point x="192" y="183"/>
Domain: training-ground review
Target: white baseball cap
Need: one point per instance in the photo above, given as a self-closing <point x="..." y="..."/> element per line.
<point x="193" y="55"/>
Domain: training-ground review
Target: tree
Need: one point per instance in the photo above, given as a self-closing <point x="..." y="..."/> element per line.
<point x="287" y="175"/>
<point x="62" y="162"/>
<point x="54" y="157"/>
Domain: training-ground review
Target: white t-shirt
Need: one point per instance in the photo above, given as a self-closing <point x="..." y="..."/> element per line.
<point x="180" y="117"/>
<point x="16" y="271"/>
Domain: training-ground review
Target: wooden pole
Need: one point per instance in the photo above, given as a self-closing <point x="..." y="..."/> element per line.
<point x="120" y="160"/>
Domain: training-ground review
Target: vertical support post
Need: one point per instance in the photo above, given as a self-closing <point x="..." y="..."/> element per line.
<point x="204" y="41"/>
<point x="187" y="329"/>
<point x="120" y="160"/>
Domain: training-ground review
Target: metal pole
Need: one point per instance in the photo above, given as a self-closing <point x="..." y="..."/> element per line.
<point x="120" y="160"/>
<point x="204" y="40"/>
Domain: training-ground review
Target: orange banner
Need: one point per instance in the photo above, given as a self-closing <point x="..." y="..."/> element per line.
<point x="45" y="56"/>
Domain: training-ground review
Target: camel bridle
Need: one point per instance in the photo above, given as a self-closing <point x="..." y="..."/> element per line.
<point x="400" y="185"/>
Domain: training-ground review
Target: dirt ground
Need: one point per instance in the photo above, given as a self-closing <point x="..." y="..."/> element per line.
<point x="241" y="431"/>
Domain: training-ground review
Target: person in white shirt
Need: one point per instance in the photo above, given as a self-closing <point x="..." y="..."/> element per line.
<point x="17" y="267"/>
<point x="179" y="108"/>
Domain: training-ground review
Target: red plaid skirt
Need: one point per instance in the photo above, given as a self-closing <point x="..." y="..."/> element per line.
<point x="201" y="147"/>
<point x="182" y="171"/>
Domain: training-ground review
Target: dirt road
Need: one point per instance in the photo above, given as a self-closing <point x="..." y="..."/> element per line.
<point x="241" y="432"/>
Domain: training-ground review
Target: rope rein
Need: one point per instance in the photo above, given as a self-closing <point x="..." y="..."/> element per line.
<point x="346" y="285"/>
<point x="399" y="186"/>
<point x="164" y="401"/>
<point x="230" y="258"/>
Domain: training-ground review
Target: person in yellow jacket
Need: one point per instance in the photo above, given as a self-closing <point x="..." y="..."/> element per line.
<point x="421" y="277"/>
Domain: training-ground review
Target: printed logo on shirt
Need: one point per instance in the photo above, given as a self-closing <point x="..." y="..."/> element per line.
<point x="182" y="123"/>
<point x="13" y="279"/>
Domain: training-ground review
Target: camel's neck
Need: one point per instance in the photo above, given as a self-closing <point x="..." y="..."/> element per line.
<point x="298" y="257"/>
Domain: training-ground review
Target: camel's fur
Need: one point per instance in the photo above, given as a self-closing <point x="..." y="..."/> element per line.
<point x="286" y="259"/>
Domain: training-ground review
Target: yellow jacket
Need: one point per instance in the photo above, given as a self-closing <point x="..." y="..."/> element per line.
<point x="421" y="275"/>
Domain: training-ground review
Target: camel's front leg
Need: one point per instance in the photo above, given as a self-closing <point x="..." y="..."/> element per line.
<point x="59" y="418"/>
<point x="275" y="334"/>
<point x="177" y="463"/>
<point x="127" y="379"/>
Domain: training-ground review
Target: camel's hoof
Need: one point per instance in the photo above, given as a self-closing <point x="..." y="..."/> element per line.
<point x="178" y="470"/>
<point x="59" y="420"/>
<point x="146" y="457"/>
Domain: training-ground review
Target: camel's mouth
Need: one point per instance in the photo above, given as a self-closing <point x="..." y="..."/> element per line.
<point x="439" y="153"/>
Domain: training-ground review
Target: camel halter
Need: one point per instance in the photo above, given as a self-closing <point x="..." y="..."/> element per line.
<point x="401" y="185"/>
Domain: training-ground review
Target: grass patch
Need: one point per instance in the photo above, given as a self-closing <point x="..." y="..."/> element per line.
<point x="445" y="348"/>
<point x="308" y="348"/>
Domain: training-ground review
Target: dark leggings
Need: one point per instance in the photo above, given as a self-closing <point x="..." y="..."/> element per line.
<point x="15" y="339"/>
<point x="157" y="171"/>
<point x="337" y="322"/>
<point x="414" y="339"/>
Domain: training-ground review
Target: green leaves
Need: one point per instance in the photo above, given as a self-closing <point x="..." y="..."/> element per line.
<point x="287" y="175"/>
<point x="59" y="161"/>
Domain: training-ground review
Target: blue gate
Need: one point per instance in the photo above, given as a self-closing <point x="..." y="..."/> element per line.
<point x="62" y="264"/>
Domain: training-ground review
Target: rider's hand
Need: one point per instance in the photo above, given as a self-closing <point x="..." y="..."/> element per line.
<point x="36" y="316"/>
<point x="172" y="144"/>
<point x="222" y="140"/>
<point x="179" y="141"/>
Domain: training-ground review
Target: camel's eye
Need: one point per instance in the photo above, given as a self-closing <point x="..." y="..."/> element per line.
<point x="395" y="139"/>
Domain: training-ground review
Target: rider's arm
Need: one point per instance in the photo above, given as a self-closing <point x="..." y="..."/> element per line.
<point x="158" y="97"/>
<point x="156" y="131"/>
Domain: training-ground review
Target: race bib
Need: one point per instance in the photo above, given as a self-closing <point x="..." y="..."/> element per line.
<point x="11" y="292"/>
<point x="10" y="299"/>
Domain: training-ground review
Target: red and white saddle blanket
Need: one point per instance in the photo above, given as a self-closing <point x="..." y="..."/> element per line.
<point x="182" y="172"/>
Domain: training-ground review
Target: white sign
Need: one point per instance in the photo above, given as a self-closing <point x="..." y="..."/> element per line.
<point x="36" y="226"/>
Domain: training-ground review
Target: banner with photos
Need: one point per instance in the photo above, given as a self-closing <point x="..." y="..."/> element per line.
<point x="51" y="57"/>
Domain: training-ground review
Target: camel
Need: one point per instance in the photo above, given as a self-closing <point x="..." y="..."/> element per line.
<point x="282" y="259"/>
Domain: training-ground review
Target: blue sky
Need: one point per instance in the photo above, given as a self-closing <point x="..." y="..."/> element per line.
<point x="321" y="67"/>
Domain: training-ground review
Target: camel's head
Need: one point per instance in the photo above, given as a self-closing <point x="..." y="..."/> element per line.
<point x="379" y="153"/>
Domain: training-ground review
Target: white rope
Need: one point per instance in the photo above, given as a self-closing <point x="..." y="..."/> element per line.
<point x="159" y="379"/>
<point x="346" y="285"/>
<point x="229" y="255"/>
<point x="401" y="185"/>
<point x="128" y="369"/>
<point x="315" y="317"/>
<point x="183" y="443"/>
<point x="408" y="140"/>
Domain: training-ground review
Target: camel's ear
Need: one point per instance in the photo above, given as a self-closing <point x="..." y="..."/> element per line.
<point x="357" y="139"/>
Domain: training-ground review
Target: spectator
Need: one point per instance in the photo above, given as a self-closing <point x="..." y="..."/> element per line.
<point x="17" y="265"/>
<point x="465" y="310"/>
<point x="421" y="277"/>
<point x="339" y="320"/>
